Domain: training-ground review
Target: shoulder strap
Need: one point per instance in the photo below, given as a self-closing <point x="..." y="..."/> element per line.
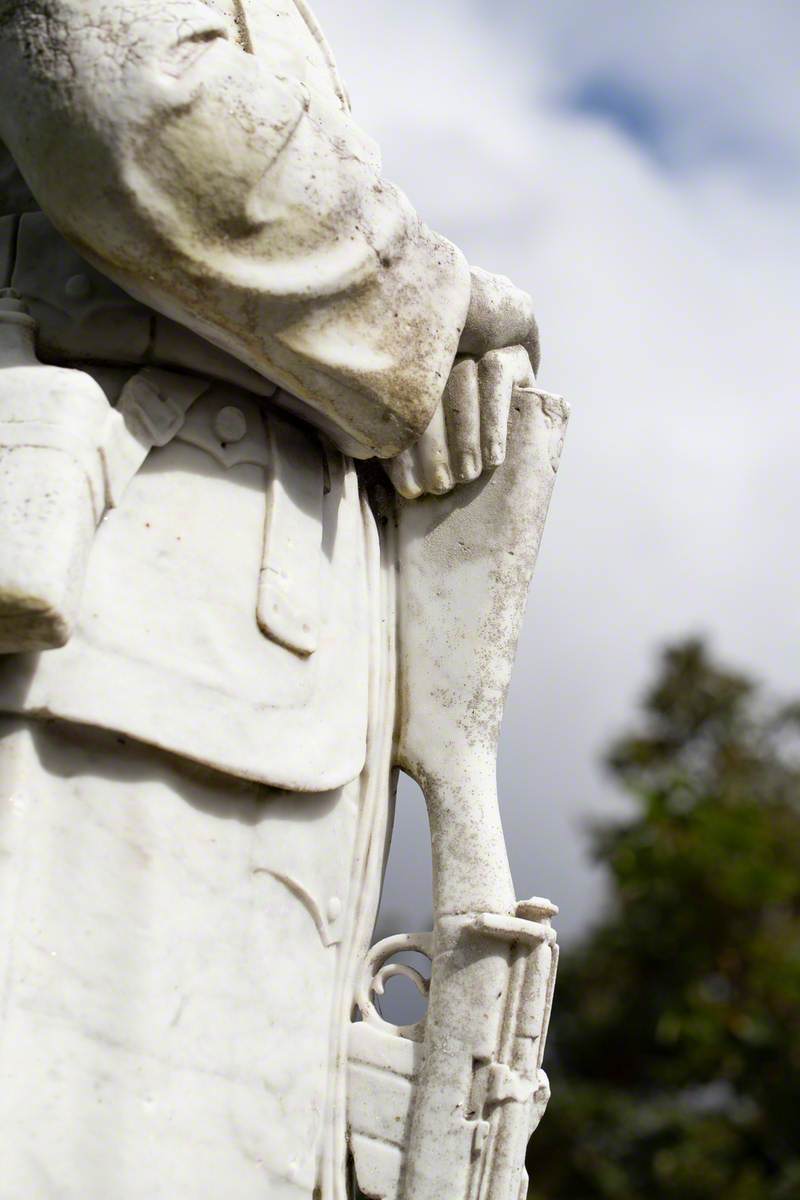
<point x="153" y="407"/>
<point x="289" y="607"/>
<point x="319" y="37"/>
<point x="252" y="21"/>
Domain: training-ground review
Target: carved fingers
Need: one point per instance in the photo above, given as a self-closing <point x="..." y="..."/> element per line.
<point x="500" y="371"/>
<point x="425" y="467"/>
<point x="462" y="402"/>
<point x="469" y="429"/>
<point x="468" y="432"/>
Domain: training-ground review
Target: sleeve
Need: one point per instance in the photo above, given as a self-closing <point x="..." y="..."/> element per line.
<point x="231" y="199"/>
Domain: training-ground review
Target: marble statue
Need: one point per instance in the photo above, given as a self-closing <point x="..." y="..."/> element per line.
<point x="274" y="468"/>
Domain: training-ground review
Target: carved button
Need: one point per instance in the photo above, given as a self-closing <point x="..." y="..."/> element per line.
<point x="78" y="287"/>
<point x="230" y="424"/>
<point x="334" y="908"/>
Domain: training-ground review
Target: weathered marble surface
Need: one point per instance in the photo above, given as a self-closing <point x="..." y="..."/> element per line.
<point x="176" y="631"/>
<point x="222" y="634"/>
<point x="145" y="923"/>
<point x="445" y="1108"/>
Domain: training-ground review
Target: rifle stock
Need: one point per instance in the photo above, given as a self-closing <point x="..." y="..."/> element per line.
<point x="473" y="1087"/>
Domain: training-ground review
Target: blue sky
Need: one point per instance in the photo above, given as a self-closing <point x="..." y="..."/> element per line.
<point x="603" y="96"/>
<point x="635" y="166"/>
<point x="693" y="82"/>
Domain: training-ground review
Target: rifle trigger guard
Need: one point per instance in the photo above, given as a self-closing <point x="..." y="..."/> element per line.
<point x="377" y="971"/>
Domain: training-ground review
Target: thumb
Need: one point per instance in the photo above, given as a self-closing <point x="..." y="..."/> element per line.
<point x="500" y="314"/>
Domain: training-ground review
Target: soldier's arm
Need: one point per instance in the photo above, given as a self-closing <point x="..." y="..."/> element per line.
<point x="234" y="200"/>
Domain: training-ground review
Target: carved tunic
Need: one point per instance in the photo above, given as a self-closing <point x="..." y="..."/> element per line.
<point x="182" y="928"/>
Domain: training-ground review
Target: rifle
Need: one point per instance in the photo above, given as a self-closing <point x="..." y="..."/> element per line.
<point x="442" y="1110"/>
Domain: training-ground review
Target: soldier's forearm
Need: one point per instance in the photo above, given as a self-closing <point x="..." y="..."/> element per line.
<point x="235" y="201"/>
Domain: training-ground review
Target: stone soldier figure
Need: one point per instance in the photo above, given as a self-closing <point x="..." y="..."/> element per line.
<point x="214" y="309"/>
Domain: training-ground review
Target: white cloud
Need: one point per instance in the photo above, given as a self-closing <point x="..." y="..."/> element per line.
<point x="668" y="305"/>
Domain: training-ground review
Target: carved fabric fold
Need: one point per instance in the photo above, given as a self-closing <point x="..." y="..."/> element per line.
<point x="236" y="199"/>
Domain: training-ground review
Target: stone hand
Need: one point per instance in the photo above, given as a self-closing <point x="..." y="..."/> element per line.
<point x="499" y="351"/>
<point x="500" y="314"/>
<point x="468" y="432"/>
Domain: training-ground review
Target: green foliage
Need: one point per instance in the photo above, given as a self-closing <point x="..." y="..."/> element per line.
<point x="675" y="1045"/>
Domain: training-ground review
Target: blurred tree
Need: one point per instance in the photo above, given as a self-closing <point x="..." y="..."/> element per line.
<point x="675" y="1051"/>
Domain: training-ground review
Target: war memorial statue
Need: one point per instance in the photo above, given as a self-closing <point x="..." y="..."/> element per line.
<point x="273" y="473"/>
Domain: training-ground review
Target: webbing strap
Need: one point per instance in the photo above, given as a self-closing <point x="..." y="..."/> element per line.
<point x="153" y="406"/>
